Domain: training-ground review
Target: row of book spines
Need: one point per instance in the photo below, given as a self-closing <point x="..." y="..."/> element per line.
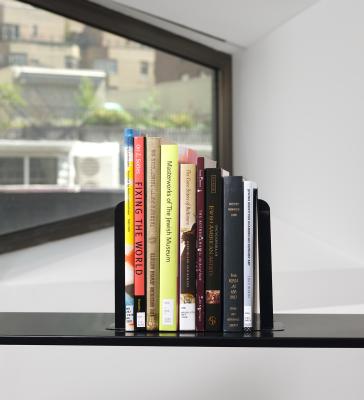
<point x="168" y="303"/>
<point x="169" y="223"/>
<point x="190" y="275"/>
<point x="237" y="222"/>
<point x="189" y="206"/>
<point x="154" y="163"/>
<point x="162" y="228"/>
<point x="238" y="199"/>
<point x="156" y="232"/>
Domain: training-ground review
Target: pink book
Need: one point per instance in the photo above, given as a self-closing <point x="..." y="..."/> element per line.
<point x="187" y="253"/>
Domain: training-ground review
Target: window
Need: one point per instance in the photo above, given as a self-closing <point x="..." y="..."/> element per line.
<point x="10" y="32"/>
<point x="17" y="59"/>
<point x="34" y="31"/>
<point x="29" y="170"/>
<point x="71" y="62"/>
<point x="43" y="171"/>
<point x="61" y="121"/>
<point x="144" y="68"/>
<point x="34" y="62"/>
<point x="11" y="171"/>
<point x="108" y="66"/>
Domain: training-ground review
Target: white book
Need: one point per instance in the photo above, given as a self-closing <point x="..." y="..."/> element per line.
<point x="187" y="264"/>
<point x="249" y="243"/>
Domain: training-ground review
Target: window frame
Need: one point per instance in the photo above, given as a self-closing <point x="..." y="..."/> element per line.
<point x="115" y="22"/>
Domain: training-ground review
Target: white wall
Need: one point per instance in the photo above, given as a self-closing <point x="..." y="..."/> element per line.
<point x="299" y="132"/>
<point x="118" y="373"/>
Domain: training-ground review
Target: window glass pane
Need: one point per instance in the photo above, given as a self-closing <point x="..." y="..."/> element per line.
<point x="43" y="171"/>
<point x="17" y="59"/>
<point x="106" y="65"/>
<point x="67" y="91"/>
<point x="144" y="68"/>
<point x="9" y="31"/>
<point x="11" y="171"/>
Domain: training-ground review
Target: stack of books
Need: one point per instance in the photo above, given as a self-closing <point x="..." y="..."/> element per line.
<point x="190" y="240"/>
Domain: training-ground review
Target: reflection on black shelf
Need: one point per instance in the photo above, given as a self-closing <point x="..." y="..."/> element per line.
<point x="300" y="330"/>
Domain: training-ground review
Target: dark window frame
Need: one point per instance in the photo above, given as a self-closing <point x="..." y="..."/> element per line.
<point x="123" y="25"/>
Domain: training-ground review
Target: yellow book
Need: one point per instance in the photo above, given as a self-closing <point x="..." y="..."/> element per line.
<point x="168" y="306"/>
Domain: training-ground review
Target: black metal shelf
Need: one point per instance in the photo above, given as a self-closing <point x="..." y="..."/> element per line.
<point x="92" y="329"/>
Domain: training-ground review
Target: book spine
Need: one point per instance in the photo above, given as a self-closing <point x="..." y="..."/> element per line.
<point x="213" y="250"/>
<point x="233" y="254"/>
<point x="248" y="240"/>
<point x="200" y="245"/>
<point x="139" y="235"/>
<point x="168" y="238"/>
<point x="129" y="227"/>
<point x="187" y="264"/>
<point x="152" y="185"/>
<point x="256" y="310"/>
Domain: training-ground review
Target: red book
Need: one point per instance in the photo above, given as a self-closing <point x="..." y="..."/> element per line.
<point x="202" y="163"/>
<point x="139" y="235"/>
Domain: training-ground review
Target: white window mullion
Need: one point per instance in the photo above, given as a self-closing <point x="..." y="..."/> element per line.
<point x="26" y="171"/>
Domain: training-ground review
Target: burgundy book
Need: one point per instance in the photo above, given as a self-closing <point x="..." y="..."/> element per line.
<point x="202" y="163"/>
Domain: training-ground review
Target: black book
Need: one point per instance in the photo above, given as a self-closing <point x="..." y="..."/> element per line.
<point x="233" y="254"/>
<point x="213" y="252"/>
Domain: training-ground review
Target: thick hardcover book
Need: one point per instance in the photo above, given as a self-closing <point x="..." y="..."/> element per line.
<point x="139" y="235"/>
<point x="202" y="163"/>
<point x="152" y="218"/>
<point x="168" y="238"/>
<point x="187" y="264"/>
<point x="249" y="244"/>
<point x="129" y="227"/>
<point x="213" y="265"/>
<point x="233" y="254"/>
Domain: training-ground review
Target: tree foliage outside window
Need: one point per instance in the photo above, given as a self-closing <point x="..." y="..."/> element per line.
<point x="11" y="103"/>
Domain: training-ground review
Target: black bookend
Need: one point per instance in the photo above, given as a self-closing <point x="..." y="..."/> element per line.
<point x="265" y="266"/>
<point x="119" y="267"/>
